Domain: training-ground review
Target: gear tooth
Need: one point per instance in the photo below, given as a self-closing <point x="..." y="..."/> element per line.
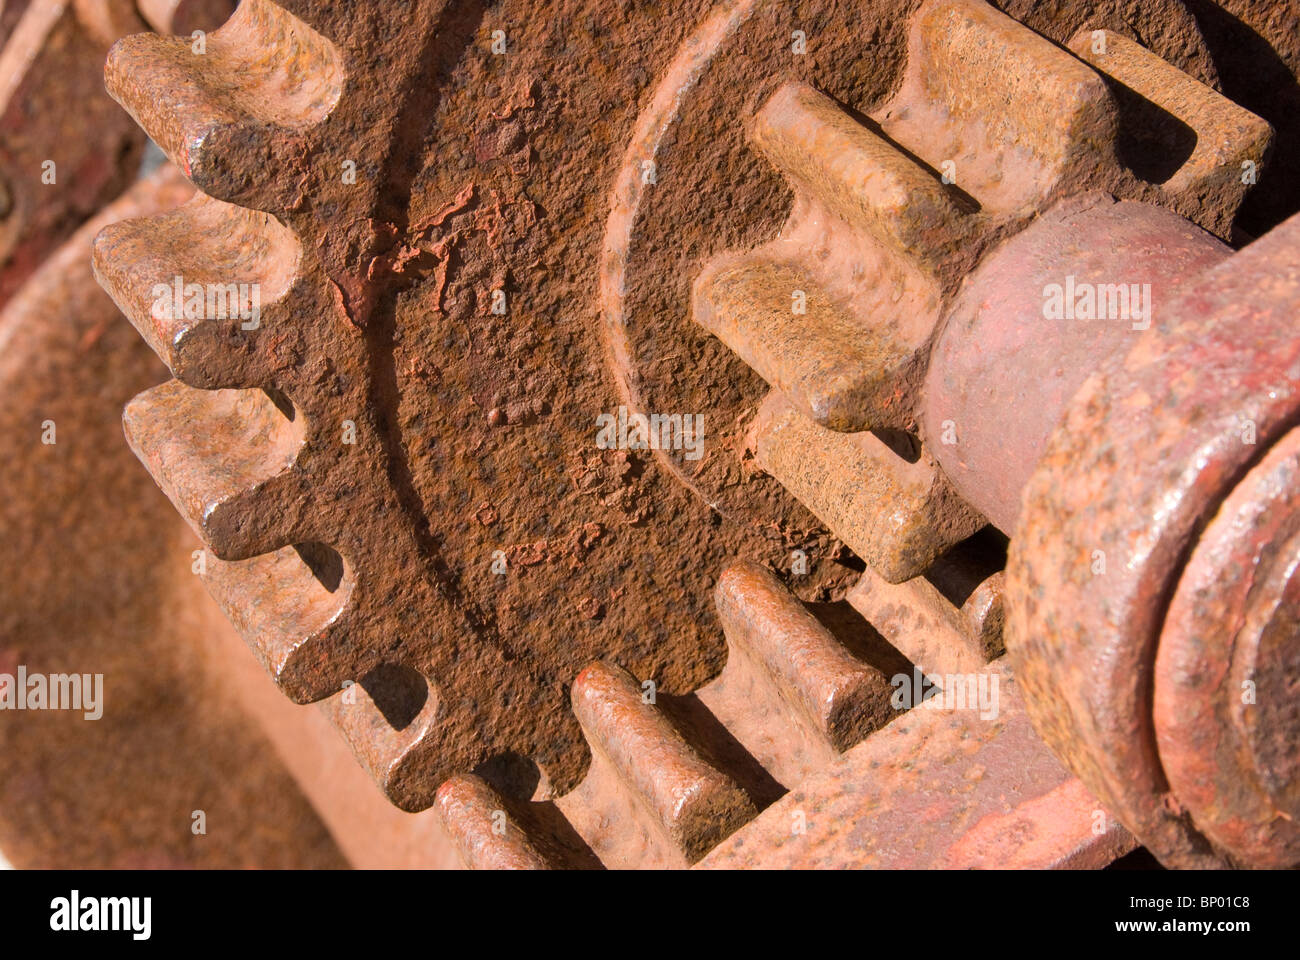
<point x="146" y="264"/>
<point x="411" y="747"/>
<point x="862" y="178"/>
<point x="295" y="620"/>
<point x="1054" y="111"/>
<point x="483" y="831"/>
<point x="225" y="458"/>
<point x="836" y="369"/>
<point x="842" y="698"/>
<point x="387" y="745"/>
<point x="1227" y="135"/>
<point x="935" y="635"/>
<point x="983" y="614"/>
<point x="694" y="803"/>
<point x="409" y="757"/>
<point x="264" y="77"/>
<point x="843" y="478"/>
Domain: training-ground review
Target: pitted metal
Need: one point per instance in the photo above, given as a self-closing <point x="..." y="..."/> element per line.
<point x="835" y="262"/>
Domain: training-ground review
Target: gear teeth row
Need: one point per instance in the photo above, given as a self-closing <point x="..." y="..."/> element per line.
<point x="226" y="459"/>
<point x="799" y="690"/>
<point x="230" y="460"/>
<point x="323" y="569"/>
<point x="803" y="311"/>
<point x="837" y="313"/>
<point x="219" y="247"/>
<point x="265" y="76"/>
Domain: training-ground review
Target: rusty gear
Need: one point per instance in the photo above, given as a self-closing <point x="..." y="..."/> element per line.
<point x="393" y="313"/>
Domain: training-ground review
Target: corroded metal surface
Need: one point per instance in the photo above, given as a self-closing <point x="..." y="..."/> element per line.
<point x="841" y="477"/>
<point x="1030" y="360"/>
<point x="1224" y="706"/>
<point x="410" y="515"/>
<point x="892" y="210"/>
<point x="692" y="133"/>
<point x="842" y="697"/>
<point x="485" y="835"/>
<point x="1146" y="452"/>
<point x="695" y="804"/>
<point x="928" y="628"/>
<point x="425" y="551"/>
<point x="936" y="789"/>
<point x="805" y="310"/>
<point x="1228" y="141"/>
<point x="1027" y="192"/>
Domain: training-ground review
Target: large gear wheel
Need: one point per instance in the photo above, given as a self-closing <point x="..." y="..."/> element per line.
<point x="409" y="418"/>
